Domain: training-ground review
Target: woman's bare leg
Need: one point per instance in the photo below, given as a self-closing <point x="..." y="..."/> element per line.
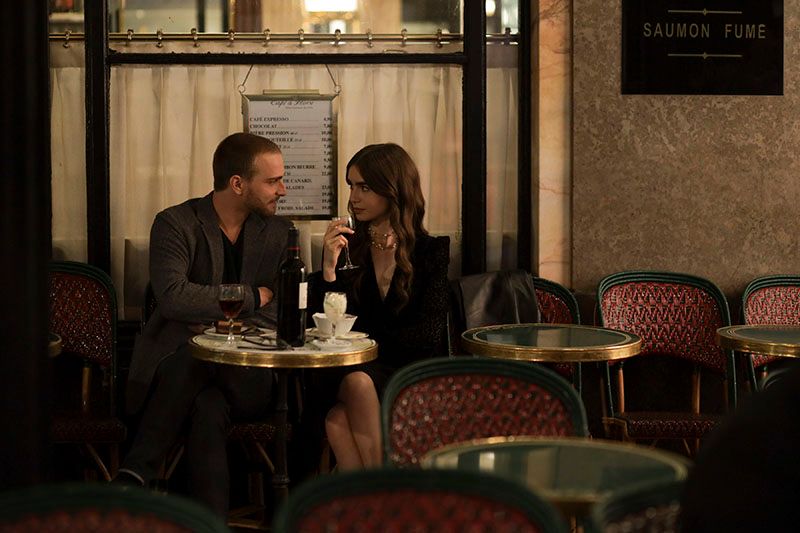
<point x="340" y="437"/>
<point x="361" y="409"/>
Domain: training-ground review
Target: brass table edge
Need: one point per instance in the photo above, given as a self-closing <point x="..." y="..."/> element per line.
<point x="285" y="360"/>
<point x="552" y="355"/>
<point x="680" y="463"/>
<point x="727" y="340"/>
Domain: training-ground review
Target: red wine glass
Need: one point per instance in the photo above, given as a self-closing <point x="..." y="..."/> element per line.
<point x="231" y="300"/>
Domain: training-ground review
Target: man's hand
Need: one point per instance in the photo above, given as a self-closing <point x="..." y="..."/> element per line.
<point x="265" y="295"/>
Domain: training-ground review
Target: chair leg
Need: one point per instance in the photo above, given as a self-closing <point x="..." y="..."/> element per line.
<point x="171" y="463"/>
<point x="325" y="458"/>
<point x="113" y="460"/>
<point x="265" y="457"/>
<point x="98" y="461"/>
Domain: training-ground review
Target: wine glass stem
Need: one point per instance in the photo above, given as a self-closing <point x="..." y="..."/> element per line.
<point x="230" y="331"/>
<point x="347" y="262"/>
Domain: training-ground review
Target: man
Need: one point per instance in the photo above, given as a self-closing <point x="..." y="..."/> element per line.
<point x="747" y="476"/>
<point x="228" y="236"/>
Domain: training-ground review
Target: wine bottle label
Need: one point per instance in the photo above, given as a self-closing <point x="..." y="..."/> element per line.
<point x="302" y="299"/>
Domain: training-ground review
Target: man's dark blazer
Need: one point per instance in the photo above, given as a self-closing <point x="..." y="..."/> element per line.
<point x="186" y="266"/>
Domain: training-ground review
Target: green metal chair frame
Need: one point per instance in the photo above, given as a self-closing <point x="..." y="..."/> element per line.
<point x="758" y="284"/>
<point x="59" y="505"/>
<point x="346" y="485"/>
<point x="560" y="292"/>
<point x="703" y="284"/>
<point x="427" y="369"/>
<point x="643" y="508"/>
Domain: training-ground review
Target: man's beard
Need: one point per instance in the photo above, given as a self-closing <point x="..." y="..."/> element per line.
<point x="263" y="209"/>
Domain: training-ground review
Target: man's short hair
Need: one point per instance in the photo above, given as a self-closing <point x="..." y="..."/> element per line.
<point x="236" y="154"/>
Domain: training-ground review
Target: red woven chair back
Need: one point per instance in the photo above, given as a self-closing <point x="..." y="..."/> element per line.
<point x="557" y="306"/>
<point x="772" y="300"/>
<point x="672" y="318"/>
<point x="438" y="402"/>
<point x="774" y="305"/>
<point x="553" y="309"/>
<point x="93" y="520"/>
<point x="396" y="500"/>
<point x="415" y="510"/>
<point x="83" y="507"/>
<point x="83" y="312"/>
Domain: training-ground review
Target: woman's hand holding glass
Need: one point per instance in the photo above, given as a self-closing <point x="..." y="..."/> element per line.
<point x="333" y="241"/>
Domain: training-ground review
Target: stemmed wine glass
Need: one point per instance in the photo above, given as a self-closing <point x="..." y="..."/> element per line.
<point x="231" y="300"/>
<point x="348" y="222"/>
<point x="335" y="305"/>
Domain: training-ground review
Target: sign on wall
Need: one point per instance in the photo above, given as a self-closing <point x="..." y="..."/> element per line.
<point x="702" y="47"/>
<point x="304" y="126"/>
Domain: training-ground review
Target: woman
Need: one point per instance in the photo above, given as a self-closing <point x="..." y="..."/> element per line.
<point x="399" y="294"/>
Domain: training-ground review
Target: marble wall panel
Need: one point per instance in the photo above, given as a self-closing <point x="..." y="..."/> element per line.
<point x="553" y="244"/>
<point x="708" y="185"/>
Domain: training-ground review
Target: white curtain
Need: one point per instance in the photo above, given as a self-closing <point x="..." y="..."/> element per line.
<point x="68" y="152"/>
<point x="167" y="120"/>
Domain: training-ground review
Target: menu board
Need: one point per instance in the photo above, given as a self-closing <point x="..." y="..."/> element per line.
<point x="304" y="126"/>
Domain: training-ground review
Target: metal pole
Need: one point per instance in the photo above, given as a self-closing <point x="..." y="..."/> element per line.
<point x="473" y="200"/>
<point x="98" y="210"/>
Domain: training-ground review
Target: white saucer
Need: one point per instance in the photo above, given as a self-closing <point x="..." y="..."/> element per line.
<point x="330" y="344"/>
<point x="350" y="335"/>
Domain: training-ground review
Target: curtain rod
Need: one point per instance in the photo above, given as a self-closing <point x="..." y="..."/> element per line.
<point x="266" y="37"/>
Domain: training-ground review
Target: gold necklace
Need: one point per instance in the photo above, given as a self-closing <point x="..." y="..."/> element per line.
<point x="385" y="236"/>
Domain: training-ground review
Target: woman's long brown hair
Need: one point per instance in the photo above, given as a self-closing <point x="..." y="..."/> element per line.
<point x="390" y="172"/>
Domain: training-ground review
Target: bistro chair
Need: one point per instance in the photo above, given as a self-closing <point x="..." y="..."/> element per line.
<point x="491" y="298"/>
<point x="512" y="297"/>
<point x="435" y="402"/>
<point x="645" y="508"/>
<point x="676" y="316"/>
<point x="415" y="500"/>
<point x="557" y="305"/>
<point x="770" y="300"/>
<point x="83" y="311"/>
<point x="75" y="507"/>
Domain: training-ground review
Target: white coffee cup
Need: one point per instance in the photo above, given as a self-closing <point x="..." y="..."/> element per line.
<point x="343" y="326"/>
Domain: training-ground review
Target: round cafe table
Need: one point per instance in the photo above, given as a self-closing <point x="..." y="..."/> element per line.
<point x="552" y="343"/>
<point x="571" y="473"/>
<point x="783" y="341"/>
<point x="213" y="348"/>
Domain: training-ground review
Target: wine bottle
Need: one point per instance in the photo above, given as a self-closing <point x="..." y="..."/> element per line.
<point x="292" y="294"/>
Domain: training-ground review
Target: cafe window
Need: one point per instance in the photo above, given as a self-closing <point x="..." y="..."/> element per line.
<point x="166" y="119"/>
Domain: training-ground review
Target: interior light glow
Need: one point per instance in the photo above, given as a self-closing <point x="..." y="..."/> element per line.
<point x="337" y="6"/>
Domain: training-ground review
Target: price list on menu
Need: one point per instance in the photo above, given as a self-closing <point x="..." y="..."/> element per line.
<point x="304" y="126"/>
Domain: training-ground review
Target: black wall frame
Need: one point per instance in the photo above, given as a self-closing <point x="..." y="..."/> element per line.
<point x="98" y="190"/>
<point x="25" y="225"/>
<point x="473" y="60"/>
